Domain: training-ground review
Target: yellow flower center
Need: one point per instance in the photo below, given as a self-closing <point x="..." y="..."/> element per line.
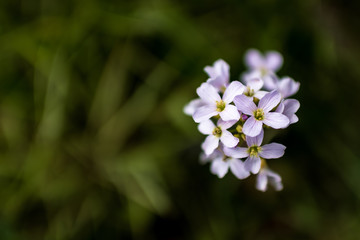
<point x="220" y="106"/>
<point x="254" y="150"/>
<point x="217" y="132"/>
<point x="249" y="92"/>
<point x="259" y="114"/>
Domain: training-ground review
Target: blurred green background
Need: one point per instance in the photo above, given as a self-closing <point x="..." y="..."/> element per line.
<point x="94" y="143"/>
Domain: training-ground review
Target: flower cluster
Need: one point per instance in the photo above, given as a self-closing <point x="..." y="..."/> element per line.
<point x="235" y="115"/>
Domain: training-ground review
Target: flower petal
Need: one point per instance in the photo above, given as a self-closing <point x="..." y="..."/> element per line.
<point x="274" y="60"/>
<point x="274" y="180"/>
<point x="192" y="106"/>
<point x="252" y="127"/>
<point x="204" y="113"/>
<point x="210" y="144"/>
<point x="208" y="93"/>
<point x="272" y="150"/>
<point x="291" y="106"/>
<point x="235" y="88"/>
<point x="219" y="168"/>
<point x="255" y="141"/>
<point x="287" y="87"/>
<point x="261" y="181"/>
<point x="276" y="120"/>
<point x="254" y="59"/>
<point x="238" y="169"/>
<point x="255" y="84"/>
<point x="238" y="152"/>
<point x="269" y="101"/>
<point x="280" y="107"/>
<point x="230" y="113"/>
<point x="228" y="139"/>
<point x="226" y="124"/>
<point x="245" y="104"/>
<point x="260" y="94"/>
<point x="252" y="164"/>
<point x="206" y="127"/>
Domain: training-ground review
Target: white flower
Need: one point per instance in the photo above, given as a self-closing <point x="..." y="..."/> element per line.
<point x="220" y="166"/>
<point x="192" y="106"/>
<point x="254" y="151"/>
<point x="216" y="134"/>
<point x="261" y="114"/>
<point x="219" y="74"/>
<point x="214" y="104"/>
<point x="265" y="177"/>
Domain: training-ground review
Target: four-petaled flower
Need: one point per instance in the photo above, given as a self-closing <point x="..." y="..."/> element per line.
<point x="217" y="133"/>
<point x="261" y="114"/>
<point x="216" y="105"/>
<point x="254" y="152"/>
<point x="265" y="177"/>
<point x="219" y="74"/>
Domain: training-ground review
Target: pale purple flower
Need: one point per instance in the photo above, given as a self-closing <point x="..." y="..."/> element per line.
<point x="192" y="106"/>
<point x="253" y="87"/>
<point x="214" y="155"/>
<point x="220" y="166"/>
<point x="214" y="104"/>
<point x="289" y="107"/>
<point x="255" y="151"/>
<point x="285" y="86"/>
<point x="271" y="61"/>
<point x="266" y="177"/>
<point x="217" y="133"/>
<point x="218" y="74"/>
<point x="261" y="114"/>
<point x="262" y="66"/>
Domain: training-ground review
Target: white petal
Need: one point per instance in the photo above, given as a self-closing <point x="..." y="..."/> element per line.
<point x="230" y="113"/>
<point x="226" y="124"/>
<point x="291" y="106"/>
<point x="206" y="127"/>
<point x="254" y="59"/>
<point x="255" y="84"/>
<point x="255" y="141"/>
<point x="293" y="119"/>
<point x="274" y="60"/>
<point x="280" y="107"/>
<point x="272" y="150"/>
<point x="204" y="113"/>
<point x="252" y="127"/>
<point x="269" y="101"/>
<point x="270" y="81"/>
<point x="260" y="94"/>
<point x="288" y="87"/>
<point x="261" y="181"/>
<point x="245" y="104"/>
<point x="238" y="152"/>
<point x="274" y="179"/>
<point x="276" y="120"/>
<point x="210" y="144"/>
<point x="252" y="164"/>
<point x="217" y="82"/>
<point x="238" y="169"/>
<point x="219" y="167"/>
<point x="192" y="106"/>
<point x="228" y="139"/>
<point x="208" y="93"/>
<point x="235" y="88"/>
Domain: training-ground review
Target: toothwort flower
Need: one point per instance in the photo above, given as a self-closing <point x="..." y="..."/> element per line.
<point x="219" y="74"/>
<point x="254" y="152"/>
<point x="263" y="67"/>
<point x="265" y="177"/>
<point x="216" y="134"/>
<point x="214" y="104"/>
<point x="261" y="114"/>
<point x="220" y="166"/>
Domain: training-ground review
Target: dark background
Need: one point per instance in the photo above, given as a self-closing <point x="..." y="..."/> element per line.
<point x="94" y="143"/>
